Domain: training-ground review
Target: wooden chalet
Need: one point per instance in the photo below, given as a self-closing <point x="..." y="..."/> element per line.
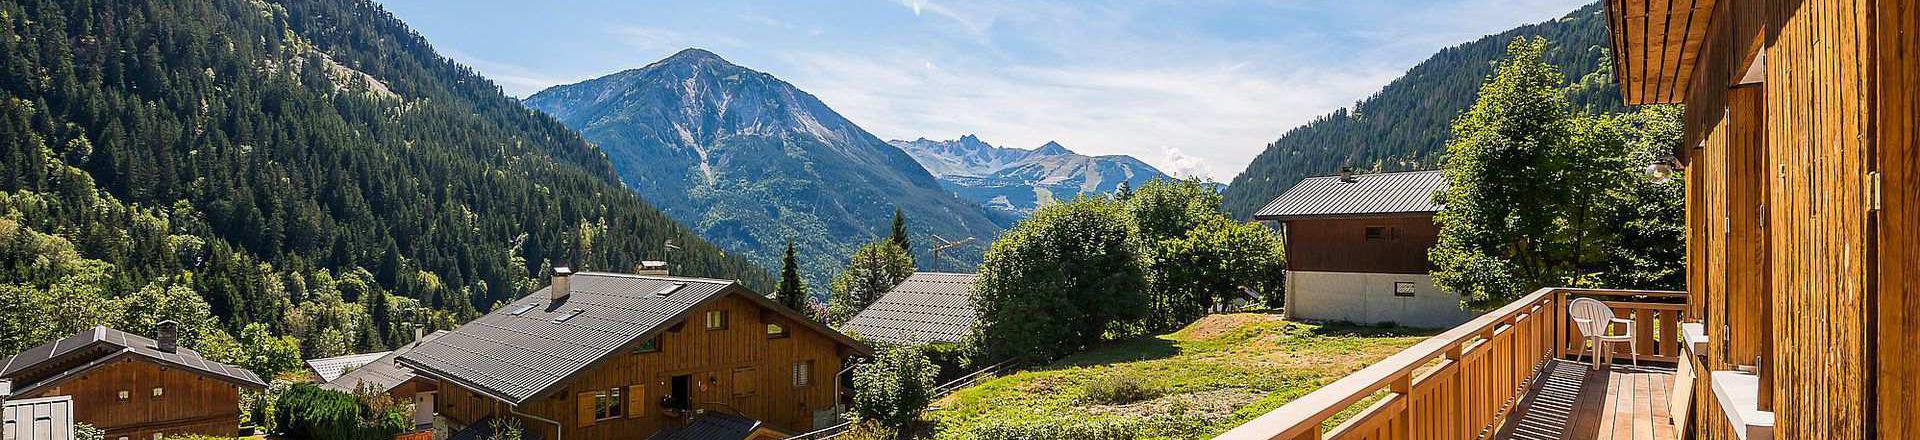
<point x="1357" y="249"/>
<point x="1802" y="309"/>
<point x="132" y="387"/>
<point x="385" y="375"/>
<point x="607" y="355"/>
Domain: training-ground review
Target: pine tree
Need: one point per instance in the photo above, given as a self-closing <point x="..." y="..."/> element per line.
<point x="900" y="232"/>
<point x="792" y="292"/>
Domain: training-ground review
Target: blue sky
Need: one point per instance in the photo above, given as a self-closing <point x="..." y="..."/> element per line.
<point x="1193" y="87"/>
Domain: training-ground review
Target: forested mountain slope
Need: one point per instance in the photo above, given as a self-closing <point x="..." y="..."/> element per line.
<point x="275" y="155"/>
<point x="1405" y="125"/>
<point x="751" y="162"/>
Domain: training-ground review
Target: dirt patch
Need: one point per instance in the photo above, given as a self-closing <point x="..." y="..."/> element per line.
<point x="1213" y="326"/>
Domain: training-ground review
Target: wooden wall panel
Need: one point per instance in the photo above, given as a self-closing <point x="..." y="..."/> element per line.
<point x="190" y="402"/>
<point x="1341" y="245"/>
<point x="1898" y="143"/>
<point x="1818" y="133"/>
<point x="715" y="360"/>
<point x="1744" y="229"/>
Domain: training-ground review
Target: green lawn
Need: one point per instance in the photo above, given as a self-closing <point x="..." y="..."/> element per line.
<point x="1194" y="383"/>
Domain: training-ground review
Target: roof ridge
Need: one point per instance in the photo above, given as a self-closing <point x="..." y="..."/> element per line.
<point x="656" y="277"/>
<point x="1382" y="173"/>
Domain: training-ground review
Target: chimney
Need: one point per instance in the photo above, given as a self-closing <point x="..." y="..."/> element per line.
<point x="166" y="336"/>
<point x="558" y="292"/>
<point x="653" y="268"/>
<point x="6" y="389"/>
<point x="419" y="331"/>
<point x="1346" y="175"/>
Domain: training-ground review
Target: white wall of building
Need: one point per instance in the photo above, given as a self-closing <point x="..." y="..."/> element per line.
<point x="1370" y="298"/>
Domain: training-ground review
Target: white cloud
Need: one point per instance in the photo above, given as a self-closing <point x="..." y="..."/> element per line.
<point x="1179" y="164"/>
<point x="515" y="80"/>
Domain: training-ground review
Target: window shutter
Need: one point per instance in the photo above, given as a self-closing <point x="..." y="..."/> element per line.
<point x="585" y="402"/>
<point x="745" y="382"/>
<point x="637" y="401"/>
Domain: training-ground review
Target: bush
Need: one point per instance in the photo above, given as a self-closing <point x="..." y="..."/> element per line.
<point x="894" y="387"/>
<point x="306" y="411"/>
<point x="86" y="431"/>
<point x="1118" y="389"/>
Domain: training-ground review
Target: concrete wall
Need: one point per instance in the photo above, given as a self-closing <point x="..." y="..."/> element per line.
<point x="1368" y="298"/>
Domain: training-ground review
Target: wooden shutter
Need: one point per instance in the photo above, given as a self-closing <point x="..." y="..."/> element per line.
<point x="585" y="402"/>
<point x="637" y="401"/>
<point x="745" y="381"/>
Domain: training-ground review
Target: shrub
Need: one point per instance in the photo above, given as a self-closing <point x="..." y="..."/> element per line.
<point x="894" y="387"/>
<point x="1118" y="389"/>
<point x="306" y="411"/>
<point x="86" y="431"/>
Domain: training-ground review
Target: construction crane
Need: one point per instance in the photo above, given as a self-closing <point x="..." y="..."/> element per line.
<point x="942" y="244"/>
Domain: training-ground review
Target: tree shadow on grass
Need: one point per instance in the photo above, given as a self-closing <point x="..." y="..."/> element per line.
<point x="1144" y="348"/>
<point x="1348" y="329"/>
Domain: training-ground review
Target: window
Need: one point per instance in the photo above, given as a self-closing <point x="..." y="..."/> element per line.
<point x="126" y="395"/>
<point x="1402" y="288"/>
<point x="159" y="392"/>
<point x="649" y="346"/>
<point x="716" y="320"/>
<point x="1381" y="233"/>
<point x="803" y="373"/>
<point x="524" y="308"/>
<point x="570" y="314"/>
<point x="607" y="404"/>
<point x="775" y="330"/>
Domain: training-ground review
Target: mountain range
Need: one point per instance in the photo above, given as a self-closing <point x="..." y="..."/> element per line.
<point x="1406" y="124"/>
<point x="1014" y="181"/>
<point x="752" y="162"/>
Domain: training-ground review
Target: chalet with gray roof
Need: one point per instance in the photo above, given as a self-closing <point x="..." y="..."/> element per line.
<point x="929" y="307"/>
<point x="132" y="386"/>
<point x="1357" y="249"/>
<point x="610" y="355"/>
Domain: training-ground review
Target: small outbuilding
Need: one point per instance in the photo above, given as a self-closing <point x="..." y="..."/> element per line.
<point x="1357" y="249"/>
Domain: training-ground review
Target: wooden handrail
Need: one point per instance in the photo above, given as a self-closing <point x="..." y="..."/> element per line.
<point x="1483" y="366"/>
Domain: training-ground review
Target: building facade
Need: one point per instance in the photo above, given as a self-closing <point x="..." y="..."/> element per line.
<point x="604" y="356"/>
<point x="132" y="387"/>
<point x="1357" y="250"/>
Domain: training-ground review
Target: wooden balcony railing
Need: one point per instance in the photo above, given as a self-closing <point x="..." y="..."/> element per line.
<point x="1461" y="383"/>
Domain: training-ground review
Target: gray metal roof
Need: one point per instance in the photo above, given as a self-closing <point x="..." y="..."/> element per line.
<point x="927" y="307"/>
<point x="382" y="373"/>
<point x="74" y="355"/>
<point x="1367" y="194"/>
<point x="710" y="426"/>
<point x="516" y="357"/>
<point x="331" y="368"/>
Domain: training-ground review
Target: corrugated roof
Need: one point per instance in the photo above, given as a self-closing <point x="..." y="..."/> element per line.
<point x="331" y="368"/>
<point x="76" y="354"/>
<point x="515" y="357"/>
<point x="381" y="374"/>
<point x="1383" y="193"/>
<point x="927" y="307"/>
<point x="710" y="426"/>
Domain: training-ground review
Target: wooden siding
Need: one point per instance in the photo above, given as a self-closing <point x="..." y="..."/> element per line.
<point x="1341" y="245"/>
<point x="1898" y="145"/>
<point x="1817" y="117"/>
<point x="737" y="369"/>
<point x="191" y="403"/>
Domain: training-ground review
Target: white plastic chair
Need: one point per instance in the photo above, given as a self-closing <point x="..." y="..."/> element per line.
<point x="1594" y="320"/>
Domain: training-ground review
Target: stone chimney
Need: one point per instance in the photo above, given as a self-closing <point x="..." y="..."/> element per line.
<point x="166" y="336"/>
<point x="561" y="287"/>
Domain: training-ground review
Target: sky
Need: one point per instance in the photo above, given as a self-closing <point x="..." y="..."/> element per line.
<point x="1193" y="87"/>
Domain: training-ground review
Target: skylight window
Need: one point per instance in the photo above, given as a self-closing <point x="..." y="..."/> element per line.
<point x="569" y="315"/>
<point x="669" y="289"/>
<point x="524" y="308"/>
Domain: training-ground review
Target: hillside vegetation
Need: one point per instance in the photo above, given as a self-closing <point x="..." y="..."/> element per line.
<point x="313" y="167"/>
<point x="1406" y="124"/>
<point x="1194" y="383"/>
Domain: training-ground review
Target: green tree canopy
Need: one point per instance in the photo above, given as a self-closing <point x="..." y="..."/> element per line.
<point x="894" y="387"/>
<point x="1060" y="280"/>
<point x="1541" y="195"/>
<point x="870" y="273"/>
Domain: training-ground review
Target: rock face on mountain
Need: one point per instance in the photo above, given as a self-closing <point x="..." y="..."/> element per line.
<point x="1015" y="181"/>
<point x="751" y="162"/>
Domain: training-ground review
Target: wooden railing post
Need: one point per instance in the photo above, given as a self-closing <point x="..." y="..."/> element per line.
<point x="1403" y="387"/>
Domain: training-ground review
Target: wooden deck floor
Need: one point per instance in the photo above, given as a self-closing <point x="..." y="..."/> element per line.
<point x="1573" y="401"/>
